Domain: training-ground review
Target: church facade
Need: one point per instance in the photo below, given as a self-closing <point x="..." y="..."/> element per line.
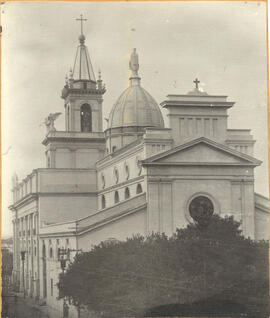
<point x="136" y="176"/>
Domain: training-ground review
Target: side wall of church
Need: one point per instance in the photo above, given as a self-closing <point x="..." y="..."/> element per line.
<point x="261" y="225"/>
<point x="120" y="229"/>
<point x="125" y="173"/>
<point x="171" y="189"/>
<point x="261" y="217"/>
<point x="64" y="208"/>
<point x="74" y="158"/>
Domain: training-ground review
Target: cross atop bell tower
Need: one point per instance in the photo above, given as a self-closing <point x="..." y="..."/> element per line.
<point x="81" y="19"/>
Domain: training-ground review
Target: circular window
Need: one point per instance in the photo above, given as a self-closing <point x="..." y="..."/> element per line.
<point x="139" y="165"/>
<point x="116" y="175"/>
<point x="201" y="209"/>
<point x="102" y="181"/>
<point x="126" y="171"/>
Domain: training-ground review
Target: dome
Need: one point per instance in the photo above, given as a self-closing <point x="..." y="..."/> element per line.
<point x="135" y="107"/>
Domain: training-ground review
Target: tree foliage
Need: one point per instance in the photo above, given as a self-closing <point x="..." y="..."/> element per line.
<point x="131" y="277"/>
<point x="7" y="262"/>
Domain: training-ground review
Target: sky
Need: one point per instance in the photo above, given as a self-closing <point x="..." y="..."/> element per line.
<point x="221" y="43"/>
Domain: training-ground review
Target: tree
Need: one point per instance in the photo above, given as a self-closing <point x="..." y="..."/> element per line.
<point x="197" y="263"/>
<point x="7" y="266"/>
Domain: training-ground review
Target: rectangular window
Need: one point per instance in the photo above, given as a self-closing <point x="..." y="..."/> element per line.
<point x="51" y="287"/>
<point x="206" y="127"/>
<point x="190" y="126"/>
<point x="215" y="127"/>
<point x="198" y="126"/>
<point x="182" y="126"/>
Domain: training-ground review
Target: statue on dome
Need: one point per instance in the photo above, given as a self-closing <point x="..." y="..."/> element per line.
<point x="134" y="63"/>
<point x="15" y="180"/>
<point x="49" y="121"/>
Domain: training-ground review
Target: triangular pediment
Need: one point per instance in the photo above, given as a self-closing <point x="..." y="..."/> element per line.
<point x="202" y="151"/>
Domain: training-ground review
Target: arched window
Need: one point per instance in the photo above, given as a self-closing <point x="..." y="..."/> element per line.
<point x="127" y="171"/>
<point x="86" y="118"/>
<point x="114" y="148"/>
<point x="103" y="202"/>
<point x="51" y="252"/>
<point x="139" y="188"/>
<point x="116" y="197"/>
<point x="127" y="194"/>
<point x="44" y="250"/>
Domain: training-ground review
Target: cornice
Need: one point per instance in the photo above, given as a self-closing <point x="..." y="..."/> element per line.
<point x="238" y="179"/>
<point x="70" y="194"/>
<point x="197" y="164"/>
<point x="262" y="208"/>
<point x="58" y="234"/>
<point x="211" y="143"/>
<point x="23" y="201"/>
<point x="212" y="104"/>
<point x="48" y="140"/>
<point x="197" y="116"/>
<point x="239" y="141"/>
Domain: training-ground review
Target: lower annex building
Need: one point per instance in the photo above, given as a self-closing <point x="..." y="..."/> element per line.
<point x="135" y="177"/>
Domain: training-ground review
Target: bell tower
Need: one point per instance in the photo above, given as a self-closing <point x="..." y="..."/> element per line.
<point x="82" y="143"/>
<point x="82" y="93"/>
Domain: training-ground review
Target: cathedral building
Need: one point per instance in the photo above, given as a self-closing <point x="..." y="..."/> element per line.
<point x="136" y="176"/>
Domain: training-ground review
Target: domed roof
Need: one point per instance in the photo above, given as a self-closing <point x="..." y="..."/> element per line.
<point x="135" y="106"/>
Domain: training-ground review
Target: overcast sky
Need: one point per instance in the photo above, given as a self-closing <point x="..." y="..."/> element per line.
<point x="221" y="43"/>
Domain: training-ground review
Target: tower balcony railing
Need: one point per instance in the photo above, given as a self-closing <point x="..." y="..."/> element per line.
<point x="75" y="134"/>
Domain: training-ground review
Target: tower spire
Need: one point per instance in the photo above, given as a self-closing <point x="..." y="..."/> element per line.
<point x="83" y="69"/>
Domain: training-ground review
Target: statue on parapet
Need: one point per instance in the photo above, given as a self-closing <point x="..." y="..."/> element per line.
<point x="49" y="121"/>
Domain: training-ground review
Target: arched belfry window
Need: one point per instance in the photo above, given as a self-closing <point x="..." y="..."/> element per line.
<point x="86" y="118"/>
<point x="116" y="197"/>
<point x="127" y="193"/>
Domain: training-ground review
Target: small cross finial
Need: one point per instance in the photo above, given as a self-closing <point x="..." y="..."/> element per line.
<point x="196" y="82"/>
<point x="81" y="19"/>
